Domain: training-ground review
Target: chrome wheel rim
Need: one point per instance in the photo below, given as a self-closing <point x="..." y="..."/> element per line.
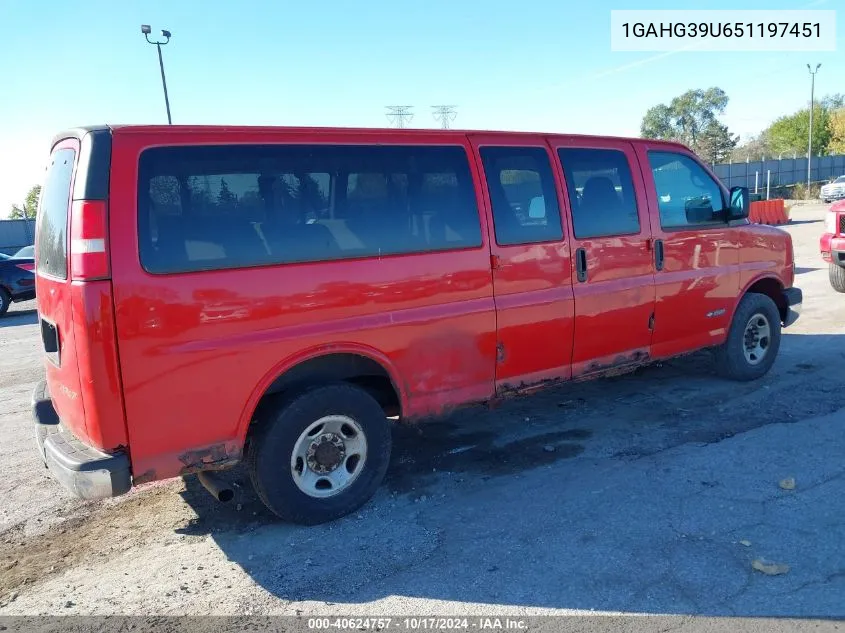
<point x="328" y="456"/>
<point x="757" y="339"/>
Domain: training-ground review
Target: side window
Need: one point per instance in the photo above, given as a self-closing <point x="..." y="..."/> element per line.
<point x="215" y="207"/>
<point x="522" y="194"/>
<point x="601" y="192"/>
<point x="51" y="225"/>
<point x="686" y="193"/>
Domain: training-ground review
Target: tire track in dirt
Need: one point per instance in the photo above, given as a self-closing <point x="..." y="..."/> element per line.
<point x="92" y="532"/>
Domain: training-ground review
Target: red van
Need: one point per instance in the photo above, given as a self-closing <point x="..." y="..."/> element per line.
<point x="215" y="294"/>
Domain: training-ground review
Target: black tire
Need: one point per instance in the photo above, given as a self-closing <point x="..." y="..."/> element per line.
<point x="272" y="444"/>
<point x="837" y="277"/>
<point x="5" y="301"/>
<point x="731" y="361"/>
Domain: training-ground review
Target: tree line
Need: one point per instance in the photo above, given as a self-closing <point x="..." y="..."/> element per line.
<point x="692" y="118"/>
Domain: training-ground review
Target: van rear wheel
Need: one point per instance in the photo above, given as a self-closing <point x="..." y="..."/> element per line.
<point x="321" y="454"/>
<point x="837" y="277"/>
<point x="753" y="341"/>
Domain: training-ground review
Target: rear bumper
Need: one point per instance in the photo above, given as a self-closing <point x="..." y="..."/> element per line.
<point x="794" y="298"/>
<point x="82" y="469"/>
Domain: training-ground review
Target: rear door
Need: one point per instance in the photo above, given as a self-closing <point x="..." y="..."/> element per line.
<point x="53" y="285"/>
<point x="530" y="261"/>
<point x="612" y="274"/>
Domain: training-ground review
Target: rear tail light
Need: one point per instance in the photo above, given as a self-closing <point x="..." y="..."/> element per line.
<point x="27" y="267"/>
<point x="89" y="257"/>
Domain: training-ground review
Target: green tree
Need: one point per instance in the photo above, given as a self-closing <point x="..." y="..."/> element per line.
<point x="692" y="118"/>
<point x="833" y="102"/>
<point x="837" y="131"/>
<point x="715" y="143"/>
<point x="788" y="134"/>
<point x="30" y="205"/>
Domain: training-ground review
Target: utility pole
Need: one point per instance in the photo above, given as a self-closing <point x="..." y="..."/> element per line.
<point x="444" y="114"/>
<point x="145" y="29"/>
<point x="398" y="115"/>
<point x="812" y="107"/>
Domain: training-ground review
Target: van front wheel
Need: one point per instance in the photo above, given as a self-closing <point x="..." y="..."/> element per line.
<point x="753" y="341"/>
<point x="321" y="454"/>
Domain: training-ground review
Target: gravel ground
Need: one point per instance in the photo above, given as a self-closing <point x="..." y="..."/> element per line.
<point x="650" y="493"/>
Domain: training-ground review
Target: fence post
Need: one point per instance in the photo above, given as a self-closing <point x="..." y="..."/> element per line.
<point x="756" y="180"/>
<point x="768" y="181"/>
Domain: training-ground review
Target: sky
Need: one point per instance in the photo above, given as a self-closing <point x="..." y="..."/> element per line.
<point x="542" y="65"/>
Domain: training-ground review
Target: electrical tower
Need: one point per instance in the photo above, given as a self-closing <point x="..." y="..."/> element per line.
<point x="399" y="116"/>
<point x="444" y="114"/>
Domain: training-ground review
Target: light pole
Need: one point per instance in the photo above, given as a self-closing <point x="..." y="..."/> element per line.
<point x="810" y="138"/>
<point x="145" y="29"/>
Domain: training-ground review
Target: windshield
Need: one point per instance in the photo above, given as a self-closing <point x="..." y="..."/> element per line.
<point x="26" y="251"/>
<point x="4" y="256"/>
<point x="840" y="179"/>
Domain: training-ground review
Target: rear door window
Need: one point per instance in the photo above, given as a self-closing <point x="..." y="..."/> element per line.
<point x="601" y="192"/>
<point x="522" y="195"/>
<point x="205" y="208"/>
<point x="51" y="226"/>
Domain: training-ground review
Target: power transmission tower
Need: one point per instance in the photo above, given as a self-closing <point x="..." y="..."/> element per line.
<point x="444" y="114"/>
<point x="399" y="116"/>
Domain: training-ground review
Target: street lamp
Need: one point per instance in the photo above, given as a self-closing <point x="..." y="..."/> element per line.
<point x="812" y="102"/>
<point x="145" y="29"/>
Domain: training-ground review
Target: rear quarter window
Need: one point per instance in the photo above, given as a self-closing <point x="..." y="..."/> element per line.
<point x="51" y="226"/>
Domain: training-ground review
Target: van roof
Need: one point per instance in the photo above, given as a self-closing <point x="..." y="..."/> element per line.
<point x="410" y="133"/>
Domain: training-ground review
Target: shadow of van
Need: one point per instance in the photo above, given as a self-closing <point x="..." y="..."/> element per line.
<point x="587" y="496"/>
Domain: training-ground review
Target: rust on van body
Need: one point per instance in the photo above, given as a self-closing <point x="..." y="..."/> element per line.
<point x="621" y="364"/>
<point x="213" y="457"/>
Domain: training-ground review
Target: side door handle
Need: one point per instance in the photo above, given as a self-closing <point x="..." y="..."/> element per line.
<point x="658" y="254"/>
<point x="581" y="264"/>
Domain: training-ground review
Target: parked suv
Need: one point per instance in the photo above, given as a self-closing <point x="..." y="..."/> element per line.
<point x="215" y="294"/>
<point x="17" y="280"/>
<point x="832" y="245"/>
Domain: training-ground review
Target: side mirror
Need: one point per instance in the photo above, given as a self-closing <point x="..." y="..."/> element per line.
<point x="740" y="203"/>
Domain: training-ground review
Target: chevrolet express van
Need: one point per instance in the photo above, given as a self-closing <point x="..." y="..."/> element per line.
<point x="212" y="295"/>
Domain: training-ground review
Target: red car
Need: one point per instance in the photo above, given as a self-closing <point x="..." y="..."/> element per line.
<point x="216" y="294"/>
<point x="832" y="244"/>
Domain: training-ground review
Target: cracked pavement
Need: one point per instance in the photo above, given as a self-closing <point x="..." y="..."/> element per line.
<point x="627" y="495"/>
